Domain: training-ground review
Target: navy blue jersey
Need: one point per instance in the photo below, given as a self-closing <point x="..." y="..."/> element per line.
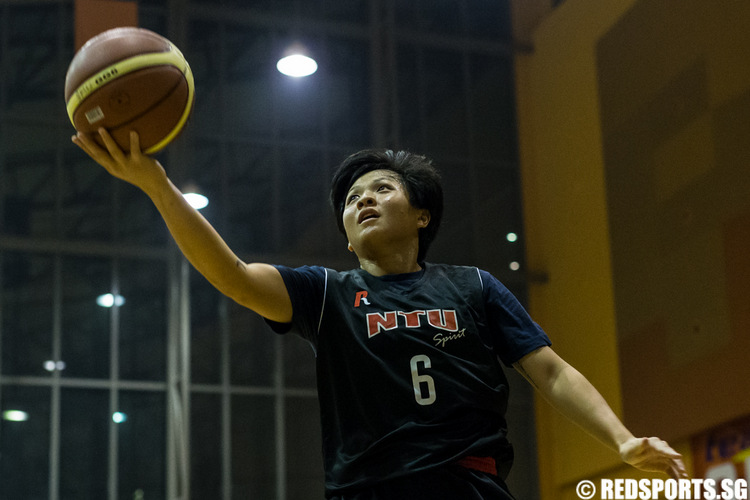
<point x="408" y="366"/>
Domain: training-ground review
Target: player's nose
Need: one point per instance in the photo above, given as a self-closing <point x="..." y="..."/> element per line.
<point x="365" y="200"/>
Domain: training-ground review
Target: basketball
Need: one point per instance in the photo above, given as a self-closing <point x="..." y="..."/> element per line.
<point x="130" y="79"/>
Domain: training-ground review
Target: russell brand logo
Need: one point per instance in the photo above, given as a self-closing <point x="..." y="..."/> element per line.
<point x="443" y="319"/>
<point x="361" y="298"/>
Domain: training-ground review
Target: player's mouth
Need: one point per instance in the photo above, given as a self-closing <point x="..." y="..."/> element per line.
<point x="367" y="214"/>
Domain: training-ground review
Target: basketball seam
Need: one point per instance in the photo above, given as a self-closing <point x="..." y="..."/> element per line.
<point x="180" y="123"/>
<point x="188" y="74"/>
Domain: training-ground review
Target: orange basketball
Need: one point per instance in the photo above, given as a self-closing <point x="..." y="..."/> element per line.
<point x="130" y="79"/>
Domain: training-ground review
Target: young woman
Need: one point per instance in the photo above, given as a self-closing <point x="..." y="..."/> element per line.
<point x="409" y="354"/>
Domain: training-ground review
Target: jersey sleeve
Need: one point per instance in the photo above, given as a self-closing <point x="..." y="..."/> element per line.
<point x="306" y="288"/>
<point x="514" y="333"/>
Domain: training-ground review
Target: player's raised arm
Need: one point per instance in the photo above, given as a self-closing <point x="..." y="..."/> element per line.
<point x="256" y="286"/>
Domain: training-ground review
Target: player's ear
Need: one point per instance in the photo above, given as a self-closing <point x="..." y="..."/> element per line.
<point x="423" y="219"/>
<point x="350" y="247"/>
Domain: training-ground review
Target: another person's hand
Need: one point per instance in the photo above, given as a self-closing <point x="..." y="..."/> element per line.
<point x="134" y="167"/>
<point x="653" y="455"/>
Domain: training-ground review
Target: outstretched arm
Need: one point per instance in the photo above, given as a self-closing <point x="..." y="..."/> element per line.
<point x="573" y="395"/>
<point x="256" y="286"/>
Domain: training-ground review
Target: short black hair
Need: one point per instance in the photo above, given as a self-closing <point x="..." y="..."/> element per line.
<point x="417" y="173"/>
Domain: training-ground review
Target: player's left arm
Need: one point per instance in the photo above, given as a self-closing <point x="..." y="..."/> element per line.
<point x="566" y="389"/>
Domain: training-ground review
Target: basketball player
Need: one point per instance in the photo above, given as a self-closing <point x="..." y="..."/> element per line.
<point x="409" y="353"/>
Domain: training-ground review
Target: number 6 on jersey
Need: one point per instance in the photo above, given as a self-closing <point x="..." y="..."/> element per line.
<point x="419" y="380"/>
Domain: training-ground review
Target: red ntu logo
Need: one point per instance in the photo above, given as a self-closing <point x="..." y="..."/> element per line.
<point x="443" y="319"/>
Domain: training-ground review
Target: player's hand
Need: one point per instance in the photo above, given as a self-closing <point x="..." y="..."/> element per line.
<point x="134" y="167"/>
<point x="653" y="455"/>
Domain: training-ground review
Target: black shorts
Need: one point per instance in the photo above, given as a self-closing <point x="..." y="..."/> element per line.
<point x="451" y="482"/>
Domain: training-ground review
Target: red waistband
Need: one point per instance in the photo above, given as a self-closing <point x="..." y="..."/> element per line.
<point x="482" y="464"/>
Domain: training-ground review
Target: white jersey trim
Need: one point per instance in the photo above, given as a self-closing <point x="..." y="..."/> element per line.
<point x="323" y="305"/>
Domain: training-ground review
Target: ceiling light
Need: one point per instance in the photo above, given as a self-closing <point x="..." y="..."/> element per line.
<point x="197" y="201"/>
<point x="15" y="416"/>
<point x="119" y="417"/>
<point x="194" y="197"/>
<point x="109" y="300"/>
<point x="51" y="366"/>
<point x="296" y="62"/>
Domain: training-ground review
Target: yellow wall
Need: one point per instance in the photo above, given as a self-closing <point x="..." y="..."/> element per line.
<point x="566" y="225"/>
<point x="634" y="126"/>
<point x="675" y="115"/>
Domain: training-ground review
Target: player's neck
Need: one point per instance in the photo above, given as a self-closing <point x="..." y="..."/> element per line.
<point x="390" y="264"/>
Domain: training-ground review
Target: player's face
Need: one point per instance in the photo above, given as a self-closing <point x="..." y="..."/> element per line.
<point x="377" y="211"/>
